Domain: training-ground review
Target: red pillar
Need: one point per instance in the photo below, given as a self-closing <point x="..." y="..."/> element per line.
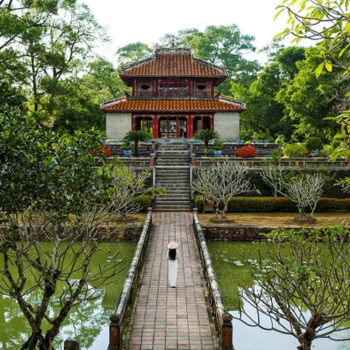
<point x="155" y="127"/>
<point x="189" y="127"/>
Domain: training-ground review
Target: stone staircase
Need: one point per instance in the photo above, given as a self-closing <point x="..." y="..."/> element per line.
<point x="172" y="172"/>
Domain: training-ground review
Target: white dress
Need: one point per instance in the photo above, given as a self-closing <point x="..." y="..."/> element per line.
<point x="172" y="269"/>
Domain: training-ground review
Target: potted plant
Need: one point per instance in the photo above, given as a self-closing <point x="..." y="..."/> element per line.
<point x="206" y="136"/>
<point x="127" y="147"/>
<point x="135" y="137"/>
<point x="217" y="146"/>
<point x="313" y="145"/>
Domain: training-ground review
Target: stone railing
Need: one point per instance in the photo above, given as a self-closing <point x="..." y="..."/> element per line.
<point x="119" y="318"/>
<point x="261" y="161"/>
<point x="222" y="317"/>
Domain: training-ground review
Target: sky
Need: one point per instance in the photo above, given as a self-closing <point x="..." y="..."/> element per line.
<point x="130" y="21"/>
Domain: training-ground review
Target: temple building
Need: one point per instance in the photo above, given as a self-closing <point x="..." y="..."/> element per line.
<point x="172" y="97"/>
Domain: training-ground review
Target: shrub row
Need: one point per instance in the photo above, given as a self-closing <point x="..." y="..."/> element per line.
<point x="271" y="204"/>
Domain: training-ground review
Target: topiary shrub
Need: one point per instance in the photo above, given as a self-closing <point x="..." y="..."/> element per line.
<point x="246" y="152"/>
<point x="314" y="144"/>
<point x="297" y="150"/>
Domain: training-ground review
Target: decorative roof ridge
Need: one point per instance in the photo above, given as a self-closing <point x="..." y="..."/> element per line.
<point x="231" y="101"/>
<point x="114" y="100"/>
<point x="138" y="63"/>
<point x="209" y="64"/>
<point x="132" y="98"/>
<point x="174" y="50"/>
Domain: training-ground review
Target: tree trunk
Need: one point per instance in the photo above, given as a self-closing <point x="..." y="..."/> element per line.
<point x="305" y="340"/>
<point x="136" y="148"/>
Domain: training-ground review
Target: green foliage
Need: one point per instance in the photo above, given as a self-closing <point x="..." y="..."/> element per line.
<point x="314" y="143"/>
<point x="217" y="145"/>
<point x="126" y="146"/>
<point x="324" y="21"/>
<point x="136" y="137"/>
<point x="46" y="45"/>
<point x="265" y="113"/>
<point x="144" y="202"/>
<point x="276" y="204"/>
<point x="133" y="52"/>
<point x="295" y="151"/>
<point x="275" y="156"/>
<point x="206" y="135"/>
<point x="56" y="172"/>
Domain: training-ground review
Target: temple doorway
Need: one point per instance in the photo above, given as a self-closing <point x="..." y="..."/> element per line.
<point x="201" y="123"/>
<point x="172" y="127"/>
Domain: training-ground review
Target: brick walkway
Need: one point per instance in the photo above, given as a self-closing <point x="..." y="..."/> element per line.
<point x="171" y="318"/>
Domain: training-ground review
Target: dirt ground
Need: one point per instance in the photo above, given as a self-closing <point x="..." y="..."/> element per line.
<point x="278" y="219"/>
<point x="269" y="219"/>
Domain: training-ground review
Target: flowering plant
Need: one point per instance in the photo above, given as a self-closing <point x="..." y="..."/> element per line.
<point x="246" y="152"/>
<point x="106" y="150"/>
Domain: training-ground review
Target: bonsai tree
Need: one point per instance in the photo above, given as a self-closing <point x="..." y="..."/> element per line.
<point x="136" y="137"/>
<point x="314" y="144"/>
<point x="206" y="136"/>
<point x="126" y="146"/>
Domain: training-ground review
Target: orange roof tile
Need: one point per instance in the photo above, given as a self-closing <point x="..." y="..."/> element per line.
<point x="173" y="65"/>
<point x="172" y="106"/>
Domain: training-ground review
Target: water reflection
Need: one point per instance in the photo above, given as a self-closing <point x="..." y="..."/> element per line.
<point x="88" y="323"/>
<point x="233" y="273"/>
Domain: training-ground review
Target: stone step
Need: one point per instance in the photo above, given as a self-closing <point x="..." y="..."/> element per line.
<point x="173" y="196"/>
<point x="171" y="164"/>
<point x="172" y="182"/>
<point x="173" y="202"/>
<point x="173" y="159"/>
<point x="177" y="177"/>
<point x="177" y="192"/>
<point x="172" y="208"/>
<point x="173" y="187"/>
<point x="173" y="174"/>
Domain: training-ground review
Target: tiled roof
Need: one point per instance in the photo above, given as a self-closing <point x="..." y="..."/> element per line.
<point x="173" y="65"/>
<point x="172" y="106"/>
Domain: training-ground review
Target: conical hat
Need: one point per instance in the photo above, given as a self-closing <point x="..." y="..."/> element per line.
<point x="173" y="245"/>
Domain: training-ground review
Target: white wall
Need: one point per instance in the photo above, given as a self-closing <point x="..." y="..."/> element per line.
<point x="227" y="125"/>
<point x="117" y="125"/>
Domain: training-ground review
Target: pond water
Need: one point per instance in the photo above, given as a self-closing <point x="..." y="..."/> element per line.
<point x="88" y="322"/>
<point x="230" y="277"/>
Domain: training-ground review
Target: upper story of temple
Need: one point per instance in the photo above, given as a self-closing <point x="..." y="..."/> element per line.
<point x="173" y="73"/>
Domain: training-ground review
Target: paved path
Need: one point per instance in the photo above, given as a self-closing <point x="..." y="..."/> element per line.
<point x="171" y="318"/>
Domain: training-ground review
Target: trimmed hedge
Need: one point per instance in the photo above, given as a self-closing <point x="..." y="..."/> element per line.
<point x="276" y="204"/>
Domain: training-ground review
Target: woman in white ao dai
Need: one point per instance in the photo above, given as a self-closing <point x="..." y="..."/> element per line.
<point x="173" y="255"/>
